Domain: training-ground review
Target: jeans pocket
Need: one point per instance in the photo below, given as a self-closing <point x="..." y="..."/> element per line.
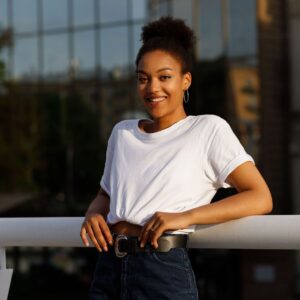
<point x="175" y="258"/>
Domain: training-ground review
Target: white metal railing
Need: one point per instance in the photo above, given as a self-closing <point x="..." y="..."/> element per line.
<point x="255" y="232"/>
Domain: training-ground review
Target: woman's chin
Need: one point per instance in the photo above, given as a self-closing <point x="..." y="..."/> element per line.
<point x="155" y="115"/>
<point x="154" y="112"/>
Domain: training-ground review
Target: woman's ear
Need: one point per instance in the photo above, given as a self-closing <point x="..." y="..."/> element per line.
<point x="187" y="80"/>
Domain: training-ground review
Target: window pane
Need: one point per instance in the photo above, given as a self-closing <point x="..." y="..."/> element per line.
<point x="24" y="15"/>
<point x="3" y="14"/>
<point x="182" y="9"/>
<point x="139" y="9"/>
<point x="114" y="51"/>
<point x="210" y="29"/>
<point x="25" y="59"/>
<point x="55" y="13"/>
<point x="242" y="33"/>
<point x="83" y="12"/>
<point x="3" y="55"/>
<point x="56" y="57"/>
<point x="113" y="10"/>
<point x="85" y="53"/>
<point x="163" y="8"/>
<point x="137" y="29"/>
<point x="3" y="63"/>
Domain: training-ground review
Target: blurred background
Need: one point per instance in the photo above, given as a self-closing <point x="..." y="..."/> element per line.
<point x="67" y="75"/>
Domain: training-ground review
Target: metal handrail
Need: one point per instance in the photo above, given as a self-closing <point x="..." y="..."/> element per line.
<point x="255" y="232"/>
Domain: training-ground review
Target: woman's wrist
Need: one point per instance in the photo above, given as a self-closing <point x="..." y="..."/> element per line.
<point x="88" y="214"/>
<point x="189" y="216"/>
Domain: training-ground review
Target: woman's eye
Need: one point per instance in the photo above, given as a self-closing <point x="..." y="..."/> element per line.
<point x="142" y="79"/>
<point x="165" y="77"/>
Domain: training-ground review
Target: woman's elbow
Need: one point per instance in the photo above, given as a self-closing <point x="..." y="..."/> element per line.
<point x="268" y="206"/>
<point x="265" y="204"/>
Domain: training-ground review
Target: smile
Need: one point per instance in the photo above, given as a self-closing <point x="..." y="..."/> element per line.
<point x="158" y="99"/>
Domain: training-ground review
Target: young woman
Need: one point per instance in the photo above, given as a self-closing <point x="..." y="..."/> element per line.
<point x="160" y="176"/>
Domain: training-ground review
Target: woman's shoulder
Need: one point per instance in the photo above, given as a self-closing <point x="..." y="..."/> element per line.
<point x="121" y="126"/>
<point x="125" y="124"/>
<point x="209" y="120"/>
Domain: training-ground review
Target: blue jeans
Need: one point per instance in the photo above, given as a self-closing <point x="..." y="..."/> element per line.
<point x="144" y="276"/>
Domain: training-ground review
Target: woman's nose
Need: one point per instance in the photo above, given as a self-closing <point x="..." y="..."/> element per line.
<point x="153" y="86"/>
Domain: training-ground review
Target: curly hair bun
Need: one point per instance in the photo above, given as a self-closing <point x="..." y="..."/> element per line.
<point x="167" y="27"/>
<point x="169" y="35"/>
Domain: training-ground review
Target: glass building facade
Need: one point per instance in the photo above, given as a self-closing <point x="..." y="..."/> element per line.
<point x="52" y="37"/>
<point x="67" y="76"/>
<point x="64" y="64"/>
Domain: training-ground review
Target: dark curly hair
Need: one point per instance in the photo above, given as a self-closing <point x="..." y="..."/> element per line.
<point x="170" y="35"/>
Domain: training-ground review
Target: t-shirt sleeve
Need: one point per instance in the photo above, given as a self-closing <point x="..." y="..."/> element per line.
<point x="105" y="179"/>
<point x="225" y="153"/>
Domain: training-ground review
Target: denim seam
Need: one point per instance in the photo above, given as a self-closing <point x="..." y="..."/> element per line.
<point x="192" y="281"/>
<point x="123" y="292"/>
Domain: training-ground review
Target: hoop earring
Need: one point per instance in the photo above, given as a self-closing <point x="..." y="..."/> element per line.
<point x="187" y="97"/>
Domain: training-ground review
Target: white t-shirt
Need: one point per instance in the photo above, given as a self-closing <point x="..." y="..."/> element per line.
<point x="172" y="170"/>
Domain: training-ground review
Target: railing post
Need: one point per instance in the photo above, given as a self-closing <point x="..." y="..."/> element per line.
<point x="5" y="276"/>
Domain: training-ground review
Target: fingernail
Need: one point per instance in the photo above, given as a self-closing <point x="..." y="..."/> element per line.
<point x="105" y="248"/>
<point x="110" y="242"/>
<point x="142" y="245"/>
<point x="87" y="244"/>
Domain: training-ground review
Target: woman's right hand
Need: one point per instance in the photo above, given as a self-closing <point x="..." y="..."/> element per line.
<point x="98" y="231"/>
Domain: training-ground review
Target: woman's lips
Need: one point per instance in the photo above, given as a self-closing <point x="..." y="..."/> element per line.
<point x="155" y="99"/>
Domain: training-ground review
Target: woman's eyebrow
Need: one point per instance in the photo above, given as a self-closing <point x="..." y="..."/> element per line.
<point x="140" y="71"/>
<point x="164" y="69"/>
<point x="160" y="70"/>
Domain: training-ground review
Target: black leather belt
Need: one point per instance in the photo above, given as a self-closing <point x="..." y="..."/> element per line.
<point x="130" y="244"/>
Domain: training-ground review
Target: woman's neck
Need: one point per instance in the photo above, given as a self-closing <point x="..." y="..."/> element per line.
<point x="162" y="123"/>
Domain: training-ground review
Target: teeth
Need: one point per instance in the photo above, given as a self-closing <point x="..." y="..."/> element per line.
<point x="155" y="99"/>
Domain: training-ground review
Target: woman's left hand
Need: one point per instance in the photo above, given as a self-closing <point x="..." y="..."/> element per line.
<point x="159" y="223"/>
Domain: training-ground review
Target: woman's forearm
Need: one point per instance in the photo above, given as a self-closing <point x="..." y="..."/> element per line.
<point x="100" y="204"/>
<point x="243" y="204"/>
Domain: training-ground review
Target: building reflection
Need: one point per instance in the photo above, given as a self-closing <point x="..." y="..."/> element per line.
<point x="243" y="88"/>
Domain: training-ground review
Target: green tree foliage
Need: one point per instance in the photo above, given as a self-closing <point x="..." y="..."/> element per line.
<point x="83" y="134"/>
<point x="70" y="150"/>
<point x="2" y="71"/>
<point x="18" y="140"/>
<point x="49" y="143"/>
<point x="5" y="40"/>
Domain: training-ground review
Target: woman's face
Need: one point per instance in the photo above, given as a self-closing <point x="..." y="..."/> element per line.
<point x="161" y="84"/>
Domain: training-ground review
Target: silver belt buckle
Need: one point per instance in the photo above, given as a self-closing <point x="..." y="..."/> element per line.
<point x="116" y="245"/>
